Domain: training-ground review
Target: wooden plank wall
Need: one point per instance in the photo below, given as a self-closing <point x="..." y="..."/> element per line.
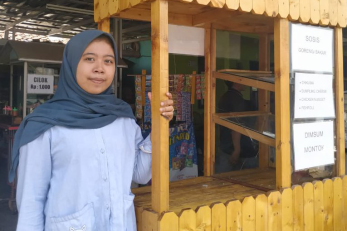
<point x="317" y="206"/>
<point x="323" y="12"/>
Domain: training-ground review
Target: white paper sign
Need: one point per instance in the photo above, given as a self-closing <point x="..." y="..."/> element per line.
<point x="313" y="144"/>
<point x="186" y="40"/>
<point x="40" y="84"/>
<point x="311" y="48"/>
<point x="314" y="96"/>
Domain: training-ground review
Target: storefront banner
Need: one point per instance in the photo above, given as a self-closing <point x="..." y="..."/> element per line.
<point x="313" y="144"/>
<point x="314" y="96"/>
<point x="311" y="48"/>
<point x="40" y="84"/>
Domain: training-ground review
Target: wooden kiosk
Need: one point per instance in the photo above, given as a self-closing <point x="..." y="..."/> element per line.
<point x="235" y="201"/>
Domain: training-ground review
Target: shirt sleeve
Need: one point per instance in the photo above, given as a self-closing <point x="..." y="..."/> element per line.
<point x="143" y="159"/>
<point x="34" y="174"/>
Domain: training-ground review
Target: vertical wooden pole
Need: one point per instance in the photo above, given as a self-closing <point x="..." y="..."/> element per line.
<point x="210" y="100"/>
<point x="283" y="164"/>
<point x="339" y="97"/>
<point x="263" y="95"/>
<point x="213" y="98"/>
<point x="160" y="126"/>
<point x="207" y="103"/>
<point x="104" y="25"/>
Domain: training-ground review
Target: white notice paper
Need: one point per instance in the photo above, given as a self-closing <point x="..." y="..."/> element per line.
<point x="311" y="48"/>
<point x="40" y="84"/>
<point x="314" y="96"/>
<point x="313" y="144"/>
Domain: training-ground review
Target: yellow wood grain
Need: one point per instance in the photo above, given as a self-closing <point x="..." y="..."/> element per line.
<point x="298" y="208"/>
<point x="135" y="2"/>
<point x="333" y="12"/>
<point x="308" y="207"/>
<point x="283" y="8"/>
<point x="203" y="218"/>
<point x="264" y="96"/>
<point x="104" y="12"/>
<point x="232" y="4"/>
<point x="124" y="4"/>
<point x="212" y="95"/>
<point x="138" y="213"/>
<point x="328" y="198"/>
<point x="234" y="216"/>
<point x="344" y="193"/>
<point x="305" y="11"/>
<point x="96" y="11"/>
<point x="160" y="126"/>
<point x="318" y="205"/>
<point x="341" y="13"/>
<point x="192" y="97"/>
<point x="338" y="205"/>
<point x="282" y="126"/>
<point x="187" y="220"/>
<point x="339" y="104"/>
<point x="271" y="8"/>
<point x="207" y="103"/>
<point x="287" y="209"/>
<point x="248" y="214"/>
<point x="246" y="5"/>
<point x="150" y="221"/>
<point x="294" y="10"/>
<point x="203" y="2"/>
<point x="219" y="215"/>
<point x="324" y="12"/>
<point x="113" y="7"/>
<point x="315" y="13"/>
<point x="104" y="25"/>
<point x="168" y="222"/>
<point x="258" y="7"/>
<point x="261" y="213"/>
<point x="217" y="3"/>
<point x="274" y="211"/>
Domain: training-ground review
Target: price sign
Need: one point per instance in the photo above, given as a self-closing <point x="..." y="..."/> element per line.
<point x="40" y="84"/>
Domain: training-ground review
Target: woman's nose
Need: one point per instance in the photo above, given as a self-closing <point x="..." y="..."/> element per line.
<point x="98" y="68"/>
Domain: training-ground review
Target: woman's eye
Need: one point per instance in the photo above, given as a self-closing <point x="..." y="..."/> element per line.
<point x="89" y="59"/>
<point x="108" y="61"/>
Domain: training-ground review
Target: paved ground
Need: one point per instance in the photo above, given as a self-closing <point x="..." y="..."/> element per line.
<point x="8" y="220"/>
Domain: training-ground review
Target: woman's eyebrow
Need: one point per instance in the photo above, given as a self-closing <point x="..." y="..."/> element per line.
<point x="111" y="56"/>
<point x="89" y="53"/>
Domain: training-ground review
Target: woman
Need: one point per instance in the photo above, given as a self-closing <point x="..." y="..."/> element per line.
<point x="79" y="152"/>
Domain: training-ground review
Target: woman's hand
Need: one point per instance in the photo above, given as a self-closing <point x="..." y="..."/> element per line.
<point x="166" y="107"/>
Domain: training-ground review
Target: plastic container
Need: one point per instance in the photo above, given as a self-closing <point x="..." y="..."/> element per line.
<point x="14" y="112"/>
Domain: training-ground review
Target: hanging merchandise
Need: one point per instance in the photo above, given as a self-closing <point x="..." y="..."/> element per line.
<point x="198" y="87"/>
<point x="147" y="116"/>
<point x="182" y="151"/>
<point x="138" y="97"/>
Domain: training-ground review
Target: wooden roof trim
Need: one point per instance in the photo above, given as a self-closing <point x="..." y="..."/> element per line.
<point x="324" y="12"/>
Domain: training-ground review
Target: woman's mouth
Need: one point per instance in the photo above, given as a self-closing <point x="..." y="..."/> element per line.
<point x="97" y="80"/>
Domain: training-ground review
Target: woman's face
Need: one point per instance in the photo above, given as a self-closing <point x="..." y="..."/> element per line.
<point x="96" y="68"/>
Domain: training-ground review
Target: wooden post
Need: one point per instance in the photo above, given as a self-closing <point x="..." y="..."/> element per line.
<point x="340" y="125"/>
<point x="263" y="95"/>
<point x="283" y="160"/>
<point x="207" y="103"/>
<point x="104" y="25"/>
<point x="160" y="126"/>
<point x="210" y="101"/>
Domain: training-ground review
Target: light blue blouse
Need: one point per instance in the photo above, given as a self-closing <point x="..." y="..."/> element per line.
<point x="80" y="179"/>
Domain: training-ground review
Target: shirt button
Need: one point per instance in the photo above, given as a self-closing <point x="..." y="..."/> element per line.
<point x="105" y="178"/>
<point x="107" y="207"/>
<point x="102" y="151"/>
